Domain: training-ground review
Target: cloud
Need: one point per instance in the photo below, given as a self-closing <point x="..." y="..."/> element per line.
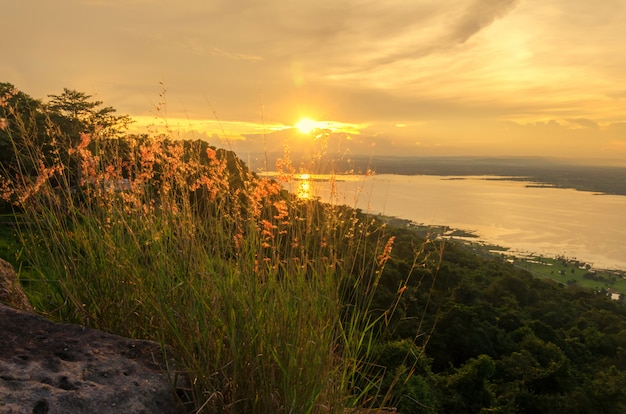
<point x="233" y="55"/>
<point x="478" y="15"/>
<point x="454" y="67"/>
<point x="457" y="29"/>
<point x="583" y="123"/>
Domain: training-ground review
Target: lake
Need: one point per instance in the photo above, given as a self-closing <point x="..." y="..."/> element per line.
<point x="545" y="221"/>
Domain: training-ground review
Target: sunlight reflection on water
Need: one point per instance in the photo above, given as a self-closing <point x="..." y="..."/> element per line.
<point x="304" y="187"/>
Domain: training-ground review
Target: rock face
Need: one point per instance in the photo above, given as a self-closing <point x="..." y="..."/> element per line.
<point x="11" y="292"/>
<point x="47" y="367"/>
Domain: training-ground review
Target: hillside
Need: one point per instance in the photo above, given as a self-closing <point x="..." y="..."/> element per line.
<point x="273" y="303"/>
<point x="496" y="337"/>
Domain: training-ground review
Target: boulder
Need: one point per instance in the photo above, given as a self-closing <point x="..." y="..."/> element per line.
<point x="47" y="367"/>
<point x="11" y="292"/>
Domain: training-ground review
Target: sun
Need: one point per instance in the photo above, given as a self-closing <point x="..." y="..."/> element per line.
<point x="307" y="125"/>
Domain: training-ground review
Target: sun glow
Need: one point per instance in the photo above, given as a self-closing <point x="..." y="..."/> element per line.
<point x="307" y="125"/>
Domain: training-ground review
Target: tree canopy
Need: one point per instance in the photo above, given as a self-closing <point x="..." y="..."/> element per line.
<point x="77" y="112"/>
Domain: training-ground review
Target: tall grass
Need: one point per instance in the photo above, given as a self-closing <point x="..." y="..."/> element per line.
<point x="261" y="297"/>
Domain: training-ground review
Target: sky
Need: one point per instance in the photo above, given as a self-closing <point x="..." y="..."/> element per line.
<point x="393" y="77"/>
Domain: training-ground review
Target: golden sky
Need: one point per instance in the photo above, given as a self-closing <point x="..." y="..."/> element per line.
<point x="420" y="77"/>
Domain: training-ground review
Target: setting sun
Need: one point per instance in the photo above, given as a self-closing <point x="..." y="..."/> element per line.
<point x="307" y="125"/>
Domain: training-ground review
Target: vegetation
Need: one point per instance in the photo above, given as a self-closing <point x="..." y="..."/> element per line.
<point x="277" y="304"/>
<point x="506" y="341"/>
<point x="264" y="299"/>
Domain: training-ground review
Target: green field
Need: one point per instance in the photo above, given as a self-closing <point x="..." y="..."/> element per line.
<point x="573" y="272"/>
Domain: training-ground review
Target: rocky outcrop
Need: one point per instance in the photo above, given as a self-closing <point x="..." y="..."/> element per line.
<point x="11" y="292"/>
<point x="47" y="367"/>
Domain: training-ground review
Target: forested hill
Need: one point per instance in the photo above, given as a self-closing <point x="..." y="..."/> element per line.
<point x="499" y="340"/>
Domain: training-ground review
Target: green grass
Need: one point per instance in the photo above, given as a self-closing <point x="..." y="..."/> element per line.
<point x="9" y="245"/>
<point x="11" y="249"/>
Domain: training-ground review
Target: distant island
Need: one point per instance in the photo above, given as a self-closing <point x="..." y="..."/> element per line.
<point x="548" y="172"/>
<point x="542" y="171"/>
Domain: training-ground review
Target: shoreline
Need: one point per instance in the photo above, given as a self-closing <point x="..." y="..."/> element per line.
<point x="559" y="268"/>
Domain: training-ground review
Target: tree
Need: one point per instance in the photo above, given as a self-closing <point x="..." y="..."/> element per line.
<point x="468" y="389"/>
<point x="36" y="137"/>
<point x="75" y="112"/>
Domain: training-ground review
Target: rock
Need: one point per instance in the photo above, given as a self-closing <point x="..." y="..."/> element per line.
<point x="46" y="367"/>
<point x="11" y="292"/>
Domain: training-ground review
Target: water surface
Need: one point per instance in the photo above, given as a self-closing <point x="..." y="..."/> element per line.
<point x="545" y="221"/>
